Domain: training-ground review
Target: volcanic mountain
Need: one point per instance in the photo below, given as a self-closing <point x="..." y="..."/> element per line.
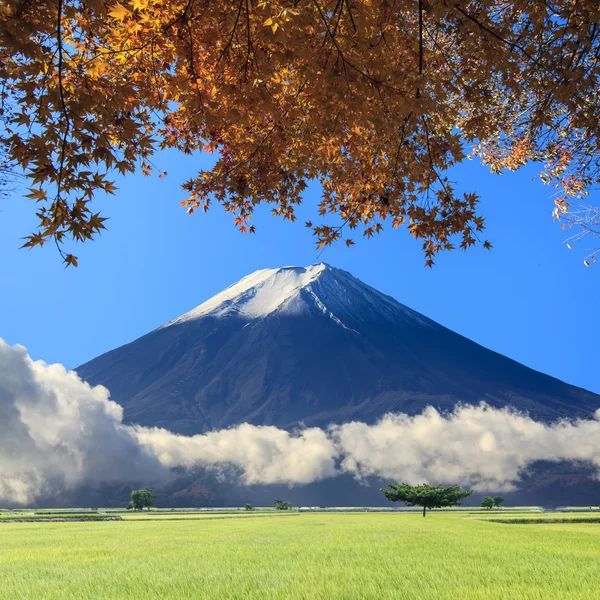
<point x="315" y="346"/>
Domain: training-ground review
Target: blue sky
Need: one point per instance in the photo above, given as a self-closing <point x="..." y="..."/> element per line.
<point x="529" y="298"/>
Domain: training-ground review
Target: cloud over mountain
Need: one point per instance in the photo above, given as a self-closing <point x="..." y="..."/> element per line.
<point x="58" y="432"/>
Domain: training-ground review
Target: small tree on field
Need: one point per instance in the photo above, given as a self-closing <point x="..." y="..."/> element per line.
<point x="425" y="495"/>
<point x="141" y="499"/>
<point x="248" y="506"/>
<point x="498" y="500"/>
<point x="282" y="505"/>
<point x="488" y="503"/>
<point x="130" y="506"/>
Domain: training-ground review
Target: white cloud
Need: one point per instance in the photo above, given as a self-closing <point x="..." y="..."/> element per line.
<point x="265" y="454"/>
<point x="480" y="446"/>
<point x="57" y="432"/>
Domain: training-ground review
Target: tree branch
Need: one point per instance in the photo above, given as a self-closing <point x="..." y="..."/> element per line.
<point x="420" y="44"/>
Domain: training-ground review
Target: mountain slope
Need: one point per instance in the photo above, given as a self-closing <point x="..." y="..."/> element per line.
<point x="313" y="345"/>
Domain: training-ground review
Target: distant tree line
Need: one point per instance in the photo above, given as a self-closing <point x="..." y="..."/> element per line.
<point x="489" y="502"/>
<point x="424" y="495"/>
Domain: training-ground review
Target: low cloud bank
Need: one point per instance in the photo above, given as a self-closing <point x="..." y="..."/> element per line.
<point x="264" y="454"/>
<point x="480" y="446"/>
<point x="57" y="433"/>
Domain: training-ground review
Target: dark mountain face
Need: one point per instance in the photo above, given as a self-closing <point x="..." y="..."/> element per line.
<point x="313" y="345"/>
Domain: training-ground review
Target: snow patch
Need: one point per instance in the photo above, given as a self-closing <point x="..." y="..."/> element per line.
<point x="327" y="312"/>
<point x="268" y="290"/>
<point x="258" y="294"/>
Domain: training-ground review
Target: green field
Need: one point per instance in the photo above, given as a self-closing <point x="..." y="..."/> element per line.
<point x="456" y="555"/>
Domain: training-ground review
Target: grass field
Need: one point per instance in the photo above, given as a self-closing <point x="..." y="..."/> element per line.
<point x="327" y="556"/>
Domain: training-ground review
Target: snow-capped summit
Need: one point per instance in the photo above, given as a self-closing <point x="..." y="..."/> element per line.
<point x="259" y="293"/>
<point x="312" y="345"/>
<point x="293" y="290"/>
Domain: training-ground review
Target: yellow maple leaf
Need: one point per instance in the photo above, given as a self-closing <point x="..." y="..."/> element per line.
<point x="119" y="12"/>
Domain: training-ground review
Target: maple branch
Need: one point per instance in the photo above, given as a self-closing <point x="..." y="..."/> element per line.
<point x="264" y="138"/>
<point x="337" y="47"/>
<point x="341" y="7"/>
<point x="499" y="37"/>
<point x="228" y="44"/>
<point x="587" y="218"/>
<point x="420" y="45"/>
<point x="61" y="89"/>
<point x="64" y="111"/>
<point x="192" y="58"/>
<point x="250" y="48"/>
<point x="456" y="74"/>
<point x="516" y="46"/>
<point x="433" y="169"/>
<point x="166" y="28"/>
<point x="249" y="43"/>
<point x="400" y="143"/>
<point x="336" y="232"/>
<point x="351" y="16"/>
<point x="153" y="64"/>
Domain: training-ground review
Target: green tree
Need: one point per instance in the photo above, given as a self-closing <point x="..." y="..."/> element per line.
<point x="248" y="506"/>
<point x="425" y="495"/>
<point x="130" y="506"/>
<point x="136" y="500"/>
<point x="148" y="498"/>
<point x="487" y="502"/>
<point x="498" y="500"/>
<point x="282" y="505"/>
<point x="141" y="499"/>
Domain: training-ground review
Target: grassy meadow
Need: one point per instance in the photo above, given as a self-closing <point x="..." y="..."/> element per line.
<point x="447" y="555"/>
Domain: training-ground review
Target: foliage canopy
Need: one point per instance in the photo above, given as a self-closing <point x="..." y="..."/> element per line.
<point x="141" y="499"/>
<point x="425" y="495"/>
<point x="487" y="502"/>
<point x="374" y="99"/>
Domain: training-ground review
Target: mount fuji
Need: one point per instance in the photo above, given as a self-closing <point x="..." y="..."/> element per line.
<point x="313" y="346"/>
